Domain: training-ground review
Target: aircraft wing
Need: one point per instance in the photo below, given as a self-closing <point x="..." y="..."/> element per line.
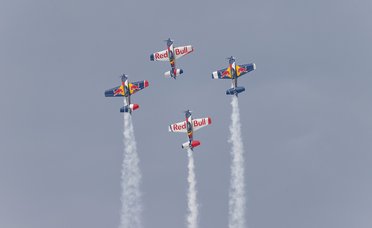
<point x="137" y="86"/>
<point x="182" y="51"/>
<point x="222" y="74"/>
<point x="202" y="122"/>
<point x="178" y="127"/>
<point x="243" y="69"/>
<point x="115" y="92"/>
<point x="160" y="56"/>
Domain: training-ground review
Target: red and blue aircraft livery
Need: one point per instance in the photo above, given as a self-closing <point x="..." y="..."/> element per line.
<point x="189" y="126"/>
<point x="171" y="54"/>
<point x="233" y="72"/>
<point x="126" y="90"/>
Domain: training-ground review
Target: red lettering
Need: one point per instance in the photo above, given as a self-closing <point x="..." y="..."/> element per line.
<point x="179" y="127"/>
<point x="161" y="56"/>
<point x="199" y="123"/>
<point x="181" y="51"/>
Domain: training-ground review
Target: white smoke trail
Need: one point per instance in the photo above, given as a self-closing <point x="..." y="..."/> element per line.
<point x="236" y="193"/>
<point x="192" y="217"/>
<point x="130" y="179"/>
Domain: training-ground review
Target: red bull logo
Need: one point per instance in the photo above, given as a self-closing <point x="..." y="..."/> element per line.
<point x="226" y="73"/>
<point x="242" y="70"/>
<point x="134" y="87"/>
<point x="161" y="55"/>
<point x="119" y="91"/>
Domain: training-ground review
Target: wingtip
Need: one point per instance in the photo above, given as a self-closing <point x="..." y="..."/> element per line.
<point x="215" y="75"/>
<point x="146" y="83"/>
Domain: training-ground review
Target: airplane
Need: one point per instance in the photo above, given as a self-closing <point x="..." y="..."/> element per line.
<point x="189" y="126"/>
<point x="233" y="72"/>
<point x="127" y="89"/>
<point x="171" y="54"/>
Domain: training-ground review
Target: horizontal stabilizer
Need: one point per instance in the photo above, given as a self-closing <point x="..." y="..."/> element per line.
<point x="191" y="145"/>
<point x="175" y="73"/>
<point x="235" y="91"/>
<point x="129" y="108"/>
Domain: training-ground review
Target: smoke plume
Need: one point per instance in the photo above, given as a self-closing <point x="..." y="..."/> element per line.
<point x="236" y="193"/>
<point x="192" y="217"/>
<point x="130" y="179"/>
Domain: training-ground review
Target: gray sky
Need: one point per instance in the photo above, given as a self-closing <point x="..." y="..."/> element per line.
<point x="306" y="112"/>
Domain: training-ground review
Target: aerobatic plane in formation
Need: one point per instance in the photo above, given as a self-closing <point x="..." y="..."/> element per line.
<point x="233" y="72"/>
<point x="189" y="126"/>
<point x="127" y="89"/>
<point x="171" y="54"/>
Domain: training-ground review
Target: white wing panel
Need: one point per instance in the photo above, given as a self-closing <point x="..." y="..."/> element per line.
<point x="160" y="56"/>
<point x="181" y="51"/>
<point x="178" y="127"/>
<point x="202" y="122"/>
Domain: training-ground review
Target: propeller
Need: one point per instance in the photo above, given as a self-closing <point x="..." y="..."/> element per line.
<point x="123" y="77"/>
<point x="169" y="39"/>
<point x="187" y="113"/>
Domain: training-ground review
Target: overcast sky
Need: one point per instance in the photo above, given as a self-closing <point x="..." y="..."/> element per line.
<point x="306" y="113"/>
